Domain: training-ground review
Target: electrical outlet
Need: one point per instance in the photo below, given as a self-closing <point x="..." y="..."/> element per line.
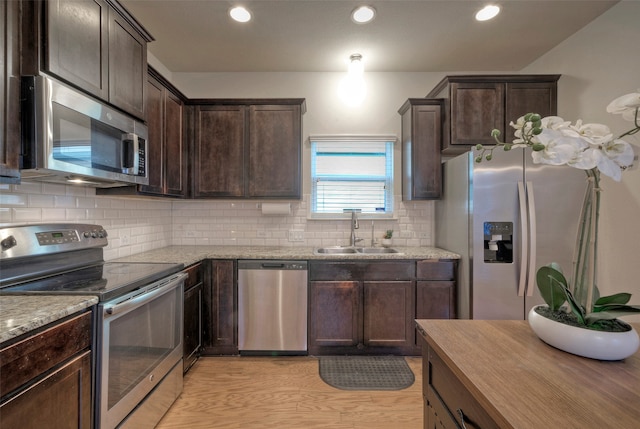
<point x="261" y="234"/>
<point x="423" y="234"/>
<point x="191" y="234"/>
<point x="296" y="235"/>
<point x="125" y="240"/>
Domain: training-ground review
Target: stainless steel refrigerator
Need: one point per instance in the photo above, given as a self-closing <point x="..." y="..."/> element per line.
<point x="506" y="218"/>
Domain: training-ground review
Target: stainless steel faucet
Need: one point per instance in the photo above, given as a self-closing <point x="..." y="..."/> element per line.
<point x="354" y="226"/>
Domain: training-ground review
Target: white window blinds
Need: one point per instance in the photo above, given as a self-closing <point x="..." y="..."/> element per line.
<point x="352" y="174"/>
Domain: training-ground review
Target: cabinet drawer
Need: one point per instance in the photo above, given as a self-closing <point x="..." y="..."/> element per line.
<point x="444" y="385"/>
<point x="26" y="359"/>
<point x="194" y="276"/>
<point x="437" y="413"/>
<point x="435" y="270"/>
<point x="382" y="270"/>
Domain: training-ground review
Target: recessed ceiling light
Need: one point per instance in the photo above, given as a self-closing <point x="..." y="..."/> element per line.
<point x="363" y="14"/>
<point x="240" y="14"/>
<point x="487" y="12"/>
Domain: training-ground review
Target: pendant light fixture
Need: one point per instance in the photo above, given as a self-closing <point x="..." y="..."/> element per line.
<point x="353" y="89"/>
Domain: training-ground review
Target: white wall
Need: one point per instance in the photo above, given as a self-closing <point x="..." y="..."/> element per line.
<point x="598" y="64"/>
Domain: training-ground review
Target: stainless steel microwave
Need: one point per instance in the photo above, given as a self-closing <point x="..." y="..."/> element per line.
<point x="69" y="137"/>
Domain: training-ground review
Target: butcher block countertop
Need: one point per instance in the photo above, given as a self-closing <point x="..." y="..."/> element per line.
<point x="524" y="383"/>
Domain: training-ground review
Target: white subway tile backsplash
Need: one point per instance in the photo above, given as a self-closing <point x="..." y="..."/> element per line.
<point x="13" y="200"/>
<point x="64" y="201"/>
<point x="52" y="188"/>
<point x="151" y="224"/>
<point x="27" y="215"/>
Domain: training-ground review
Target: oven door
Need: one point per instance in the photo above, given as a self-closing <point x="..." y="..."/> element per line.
<point x="140" y="342"/>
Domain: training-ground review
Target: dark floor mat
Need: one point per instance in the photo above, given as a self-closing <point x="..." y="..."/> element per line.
<point x="366" y="372"/>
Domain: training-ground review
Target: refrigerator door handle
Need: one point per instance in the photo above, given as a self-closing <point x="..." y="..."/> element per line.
<point x="524" y="239"/>
<point x="532" y="232"/>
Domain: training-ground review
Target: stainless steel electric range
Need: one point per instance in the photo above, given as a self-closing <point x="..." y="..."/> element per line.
<point x="138" y="340"/>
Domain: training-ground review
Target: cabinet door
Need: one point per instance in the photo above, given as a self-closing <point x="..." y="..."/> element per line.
<point x="218" y="159"/>
<point x="435" y="300"/>
<point x="192" y="325"/>
<point x="77" y="33"/>
<point x="335" y="314"/>
<point x="421" y="162"/>
<point x="528" y="97"/>
<point x="219" y="312"/>
<point x="274" y="151"/>
<point x="61" y="400"/>
<point x="476" y="109"/>
<point x="389" y="313"/>
<point x="127" y="66"/>
<point x="155" y="142"/>
<point x="9" y="92"/>
<point x="175" y="149"/>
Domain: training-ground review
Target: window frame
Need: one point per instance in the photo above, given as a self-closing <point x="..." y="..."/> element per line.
<point x="350" y="139"/>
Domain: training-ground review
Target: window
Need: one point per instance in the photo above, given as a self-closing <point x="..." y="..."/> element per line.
<point x="352" y="172"/>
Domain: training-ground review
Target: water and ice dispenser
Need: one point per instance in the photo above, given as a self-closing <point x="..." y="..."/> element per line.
<point x="498" y="242"/>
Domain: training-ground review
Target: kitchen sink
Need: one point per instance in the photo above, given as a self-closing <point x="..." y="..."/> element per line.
<point x="376" y="250"/>
<point x="338" y="250"/>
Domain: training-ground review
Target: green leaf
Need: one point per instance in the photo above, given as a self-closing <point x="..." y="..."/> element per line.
<point x="618" y="298"/>
<point x="618" y="308"/>
<point x="552" y="286"/>
<point x="576" y="308"/>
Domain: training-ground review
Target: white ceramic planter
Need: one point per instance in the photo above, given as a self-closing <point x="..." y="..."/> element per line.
<point x="386" y="242"/>
<point x="584" y="342"/>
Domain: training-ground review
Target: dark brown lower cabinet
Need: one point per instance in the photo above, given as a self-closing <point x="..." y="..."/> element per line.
<point x="45" y="378"/>
<point x="435" y="291"/>
<point x="61" y="400"/>
<point x="363" y="307"/>
<point x="370" y="307"/>
<point x="335" y="314"/>
<point x="389" y="314"/>
<point x="192" y="333"/>
<point x="219" y="308"/>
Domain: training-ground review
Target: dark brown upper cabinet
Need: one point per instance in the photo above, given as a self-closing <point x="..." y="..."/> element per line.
<point x="247" y="148"/>
<point x="167" y="162"/>
<point x="475" y="105"/>
<point x="9" y="92"/>
<point x="94" y="45"/>
<point x="167" y="154"/>
<point x="421" y="141"/>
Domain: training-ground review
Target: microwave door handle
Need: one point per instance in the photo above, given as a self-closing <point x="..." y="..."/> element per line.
<point x="131" y="139"/>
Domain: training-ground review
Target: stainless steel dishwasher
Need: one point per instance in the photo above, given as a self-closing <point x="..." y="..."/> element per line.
<point x="272" y="307"/>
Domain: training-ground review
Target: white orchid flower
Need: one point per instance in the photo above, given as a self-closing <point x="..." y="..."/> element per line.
<point x="626" y="105"/>
<point x="554" y="122"/>
<point x="560" y="149"/>
<point x="615" y="156"/>
<point x="596" y="134"/>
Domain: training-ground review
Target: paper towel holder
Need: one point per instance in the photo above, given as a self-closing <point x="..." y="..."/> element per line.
<point x="275" y="209"/>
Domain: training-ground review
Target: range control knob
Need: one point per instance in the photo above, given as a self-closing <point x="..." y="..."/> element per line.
<point x="86" y="234"/>
<point x="8" y="243"/>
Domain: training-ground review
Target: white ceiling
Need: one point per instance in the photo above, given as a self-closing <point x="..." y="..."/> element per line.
<point x="318" y="35"/>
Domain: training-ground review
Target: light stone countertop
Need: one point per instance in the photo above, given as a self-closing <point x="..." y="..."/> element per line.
<point x="20" y="314"/>
<point x="189" y="255"/>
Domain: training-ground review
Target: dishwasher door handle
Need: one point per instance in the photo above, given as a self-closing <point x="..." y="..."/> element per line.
<point x="272" y="265"/>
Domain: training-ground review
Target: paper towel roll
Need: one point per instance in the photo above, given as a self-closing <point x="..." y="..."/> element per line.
<point x="276" y="208"/>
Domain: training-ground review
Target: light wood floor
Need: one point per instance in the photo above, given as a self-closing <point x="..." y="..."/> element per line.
<point x="286" y="393"/>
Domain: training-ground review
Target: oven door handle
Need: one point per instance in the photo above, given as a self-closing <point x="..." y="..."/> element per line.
<point x="142" y="297"/>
